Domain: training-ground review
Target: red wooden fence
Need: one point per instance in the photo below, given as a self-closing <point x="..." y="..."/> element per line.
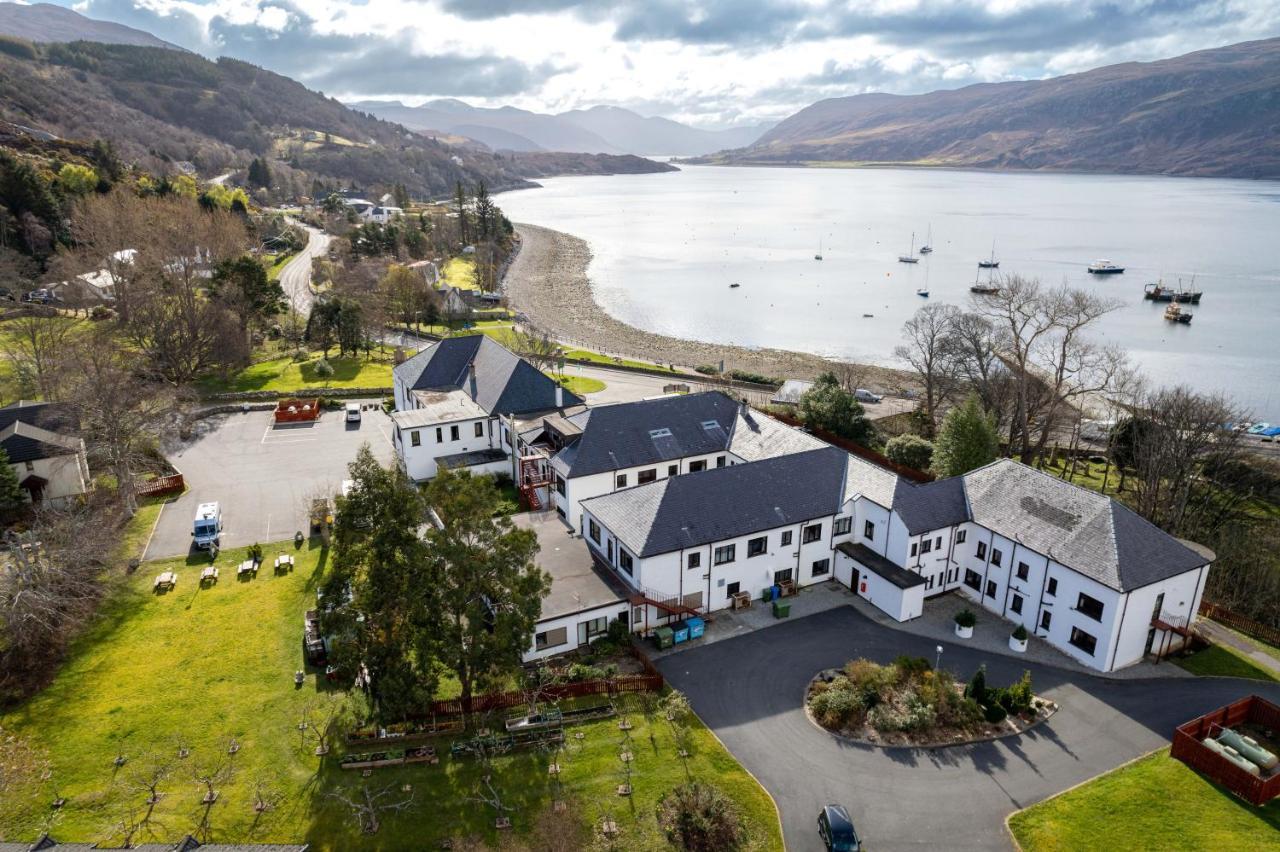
<point x="1244" y="624"/>
<point x="297" y="410"/>
<point x="1188" y="748"/>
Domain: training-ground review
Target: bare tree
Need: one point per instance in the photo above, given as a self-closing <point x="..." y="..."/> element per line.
<point x="36" y="345"/>
<point x="322" y="718"/>
<point x="266" y="791"/>
<point x="367" y="806"/>
<point x="930" y="352"/>
<point x="149" y="773"/>
<point x="210" y="772"/>
<point x="536" y="347"/>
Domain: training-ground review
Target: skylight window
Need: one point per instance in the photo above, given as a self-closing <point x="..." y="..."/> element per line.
<point x="659" y="433"/>
<point x="711" y="424"/>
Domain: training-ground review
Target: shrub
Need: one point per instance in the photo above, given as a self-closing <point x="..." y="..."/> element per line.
<point x="707" y="369"/>
<point x="323" y="369"/>
<point x="580" y="672"/>
<point x="1020" y="633"/>
<point x="911" y="666"/>
<point x="977" y="689"/>
<point x="836" y="708"/>
<point x="910" y="450"/>
<point x="920" y="715"/>
<point x="1020" y="695"/>
<point x="699" y="818"/>
<point x="966" y="618"/>
<point x="101" y="312"/>
<point x="753" y="378"/>
<point x="886" y="718"/>
<point x="994" y="714"/>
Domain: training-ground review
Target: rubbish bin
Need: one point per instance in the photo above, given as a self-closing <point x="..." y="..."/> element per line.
<point x="781" y="609"/>
<point x="681" y="631"/>
<point x="696" y="628"/>
<point x="777" y="591"/>
<point x="766" y="594"/>
<point x="663" y="637"/>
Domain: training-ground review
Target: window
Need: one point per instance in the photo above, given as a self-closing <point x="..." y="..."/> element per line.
<point x="1092" y="607"/>
<point x="937" y="543"/>
<point x="996" y="556"/>
<point x="710" y="425"/>
<point x="1016" y="604"/>
<point x="479" y="428"/>
<point x="757" y="546"/>
<point x="991" y="588"/>
<point x="596" y="626"/>
<point x="673" y="470"/>
<point x="786" y="538"/>
<point x="696" y="466"/>
<point x="972" y="579"/>
<point x="842" y="526"/>
<point x="1024" y="571"/>
<point x="560" y="485"/>
<point x="415" y="438"/>
<point x="1084" y="641"/>
<point x="915" y="548"/>
<point x="724" y="554"/>
<point x="624" y="560"/>
<point x="593" y="530"/>
<point x="1053" y="587"/>
<point x="1046" y="618"/>
<point x="732" y="589"/>
<point x="647" y="475"/>
<point x="960" y="536"/>
<point x="550" y="639"/>
<point x="869" y="530"/>
<point x="982" y="550"/>
<point x="439" y="434"/>
<point x="926" y="546"/>
<point x="695" y="560"/>
<point x="782" y="576"/>
<point x="621" y="480"/>
<point x="719" y="461"/>
<point x="453" y="433"/>
<point x="928" y="583"/>
<point x="811" y="534"/>
<point x="822" y="566"/>
<point x="659" y="433"/>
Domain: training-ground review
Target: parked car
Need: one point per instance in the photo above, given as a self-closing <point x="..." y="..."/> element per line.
<point x="7" y="294"/>
<point x="837" y="831"/>
<point x="864" y="395"/>
<point x="43" y="296"/>
<point x="353" y="412"/>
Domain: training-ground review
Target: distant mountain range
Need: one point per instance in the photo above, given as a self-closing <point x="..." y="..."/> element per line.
<point x="599" y="130"/>
<point x="1210" y="113"/>
<point x="44" y="22"/>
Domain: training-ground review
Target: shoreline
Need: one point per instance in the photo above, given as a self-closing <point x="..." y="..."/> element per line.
<point x="547" y="283"/>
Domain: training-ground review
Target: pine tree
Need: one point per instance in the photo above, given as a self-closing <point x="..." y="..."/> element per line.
<point x="967" y="439"/>
<point x="460" y="207"/>
<point x="11" y="496"/>
<point x="830" y="407"/>
<point x="260" y="173"/>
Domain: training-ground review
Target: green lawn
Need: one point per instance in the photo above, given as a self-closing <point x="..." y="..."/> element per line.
<point x="278" y="263"/>
<point x="610" y="361"/>
<point x="1224" y="661"/>
<point x="581" y="384"/>
<point x="1157" y="803"/>
<point x="460" y="272"/>
<point x="210" y="664"/>
<point x="285" y="375"/>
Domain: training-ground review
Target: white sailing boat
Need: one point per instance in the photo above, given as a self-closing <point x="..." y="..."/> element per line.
<point x="818" y="256"/>
<point x="910" y="256"/>
<point x="928" y="242"/>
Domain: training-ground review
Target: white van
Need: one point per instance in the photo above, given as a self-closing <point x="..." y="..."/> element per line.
<point x="207" y="527"/>
<point x="353" y="412"/>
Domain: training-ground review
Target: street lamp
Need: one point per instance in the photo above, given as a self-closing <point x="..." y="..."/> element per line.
<point x="938" y="662"/>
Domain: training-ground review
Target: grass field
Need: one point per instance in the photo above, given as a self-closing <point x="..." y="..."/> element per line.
<point x="609" y="360"/>
<point x="207" y="665"/>
<point x="1224" y="661"/>
<point x="460" y="272"/>
<point x="278" y="263"/>
<point x="1156" y="803"/>
<point x="581" y="384"/>
<point x="284" y="374"/>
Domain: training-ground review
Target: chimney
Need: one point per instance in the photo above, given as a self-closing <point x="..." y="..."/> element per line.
<point x="471" y="379"/>
<point x="559" y="395"/>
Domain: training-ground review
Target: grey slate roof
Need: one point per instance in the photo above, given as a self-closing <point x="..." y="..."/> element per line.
<point x="931" y="505"/>
<point x="758" y="436"/>
<point x="1083" y="530"/>
<point x="723" y="503"/>
<point x="505" y="383"/>
<point x="53" y="416"/>
<point x="23" y="442"/>
<point x="870" y="480"/>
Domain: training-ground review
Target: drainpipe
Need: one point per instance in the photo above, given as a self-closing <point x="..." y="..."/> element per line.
<point x="1116" y="647"/>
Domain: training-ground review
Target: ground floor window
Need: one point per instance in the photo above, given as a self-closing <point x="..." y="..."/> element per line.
<point x="596" y="626"/>
<point x="822" y="566"/>
<point x="782" y="576"/>
<point x="972" y="580"/>
<point x="1084" y="641"/>
<point x="550" y="638"/>
<point x="1016" y="604"/>
<point x="732" y="589"/>
<point x="991" y="588"/>
<point x="593" y="530"/>
<point x="1046" y="618"/>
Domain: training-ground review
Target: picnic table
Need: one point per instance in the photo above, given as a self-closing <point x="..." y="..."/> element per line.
<point x="209" y="574"/>
<point x="247" y="567"/>
<point x="167" y="580"/>
<point x="284" y="563"/>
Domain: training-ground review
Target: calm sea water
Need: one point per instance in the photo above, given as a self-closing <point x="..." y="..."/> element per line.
<point x="666" y="248"/>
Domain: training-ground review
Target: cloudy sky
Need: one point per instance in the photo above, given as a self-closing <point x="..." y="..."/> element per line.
<point x="713" y="63"/>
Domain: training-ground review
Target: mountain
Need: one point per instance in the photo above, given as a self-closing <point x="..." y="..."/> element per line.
<point x="157" y="106"/>
<point x="44" y="22"/>
<point x="1210" y="113"/>
<point x="601" y="129"/>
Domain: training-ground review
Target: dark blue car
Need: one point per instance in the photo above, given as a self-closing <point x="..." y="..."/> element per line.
<point x="837" y="831"/>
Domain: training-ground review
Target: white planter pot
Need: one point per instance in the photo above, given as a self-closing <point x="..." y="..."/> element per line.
<point x="964" y="632"/>
<point x="1019" y="645"/>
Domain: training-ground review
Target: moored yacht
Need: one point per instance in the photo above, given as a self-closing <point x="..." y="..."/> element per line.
<point x="1105" y="267"/>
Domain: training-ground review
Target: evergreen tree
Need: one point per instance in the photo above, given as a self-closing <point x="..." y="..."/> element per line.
<point x="460" y="208"/>
<point x="243" y="285"/>
<point x="910" y="450"/>
<point x="260" y="173"/>
<point x="12" y="497"/>
<point x="401" y="196"/>
<point x="967" y="439"/>
<point x="830" y="407"/>
<point x="486" y="214"/>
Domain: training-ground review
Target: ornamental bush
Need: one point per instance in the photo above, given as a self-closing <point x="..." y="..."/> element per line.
<point x="697" y="817"/>
<point x="966" y="618"/>
<point x="995" y="714"/>
<point x="323" y="368"/>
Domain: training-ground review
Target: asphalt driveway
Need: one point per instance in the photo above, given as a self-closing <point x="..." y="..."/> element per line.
<point x="749" y="691"/>
<point x="264" y="477"/>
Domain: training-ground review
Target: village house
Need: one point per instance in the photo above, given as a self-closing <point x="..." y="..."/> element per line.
<point x="51" y="466"/>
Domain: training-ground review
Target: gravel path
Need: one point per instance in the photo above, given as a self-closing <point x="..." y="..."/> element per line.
<point x="548" y="283"/>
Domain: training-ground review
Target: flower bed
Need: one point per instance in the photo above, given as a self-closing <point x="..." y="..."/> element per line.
<point x="907" y="703"/>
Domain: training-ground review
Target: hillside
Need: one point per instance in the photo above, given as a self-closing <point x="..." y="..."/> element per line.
<point x="601" y="129"/>
<point x="44" y="22"/>
<point x="1210" y="113"/>
<point x="170" y="105"/>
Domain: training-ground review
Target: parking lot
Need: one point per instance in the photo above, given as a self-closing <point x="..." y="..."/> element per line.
<point x="263" y="476"/>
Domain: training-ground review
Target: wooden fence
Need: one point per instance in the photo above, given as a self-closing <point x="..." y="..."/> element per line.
<point x="1188" y="748"/>
<point x="297" y="410"/>
<point x="1244" y="624"/>
<point x="171" y="484"/>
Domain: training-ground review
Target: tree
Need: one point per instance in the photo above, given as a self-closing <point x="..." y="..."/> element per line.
<point x="401" y="196"/>
<point x="37" y="346"/>
<point x="12" y="498"/>
<point x="460" y="210"/>
<point x="536" y="347"/>
<point x="699" y="818"/>
<point x="367" y="805"/>
<point x="260" y="173"/>
<point x="830" y="407"/>
<point x="967" y="439"/>
<point x="243" y="286"/>
<point x="77" y="180"/>
<point x="405" y="293"/>
<point x="910" y="450"/>
<point x="486" y="213"/>
<point x="930" y="352"/>
<point x="486" y="592"/>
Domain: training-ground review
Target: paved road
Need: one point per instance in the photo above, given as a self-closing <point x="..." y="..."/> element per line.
<point x="749" y="690"/>
<point x="263" y="477"/>
<point x="295" y="278"/>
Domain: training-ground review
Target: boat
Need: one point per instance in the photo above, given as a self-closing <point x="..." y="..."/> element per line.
<point x="734" y="285"/>
<point x="1104" y="267"/>
<point x="988" y="289"/>
<point x="927" y="248"/>
<point x="1257" y="428"/>
<point x="818" y="256"/>
<point x="922" y="292"/>
<point x="1175" y="313"/>
<point x="1157" y="292"/>
<point x="991" y="262"/>
<point x="910" y="256"/>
